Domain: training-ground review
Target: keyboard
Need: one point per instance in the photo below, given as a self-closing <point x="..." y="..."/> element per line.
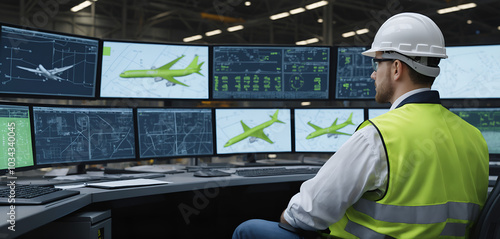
<point x="276" y="171"/>
<point x="32" y="194"/>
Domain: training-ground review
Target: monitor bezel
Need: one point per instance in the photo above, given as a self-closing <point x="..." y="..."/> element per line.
<point x="330" y="73"/>
<point x="82" y="163"/>
<point x="363" y="109"/>
<point x="209" y="71"/>
<point x="59" y="96"/>
<point x="218" y="154"/>
<point x="213" y="138"/>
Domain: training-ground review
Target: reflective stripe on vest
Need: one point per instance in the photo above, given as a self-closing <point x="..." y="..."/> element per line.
<point x="451" y="229"/>
<point x="418" y="214"/>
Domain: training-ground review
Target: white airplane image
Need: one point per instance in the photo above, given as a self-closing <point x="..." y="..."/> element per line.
<point x="48" y="74"/>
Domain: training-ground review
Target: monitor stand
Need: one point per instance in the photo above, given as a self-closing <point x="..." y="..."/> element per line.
<point x="249" y="160"/>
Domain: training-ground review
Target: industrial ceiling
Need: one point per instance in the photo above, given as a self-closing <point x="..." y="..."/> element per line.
<point x="176" y="20"/>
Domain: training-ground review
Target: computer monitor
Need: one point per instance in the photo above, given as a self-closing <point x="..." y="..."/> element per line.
<point x="67" y="135"/>
<point x="325" y="129"/>
<point x="374" y="112"/>
<point x="15" y="135"/>
<point x="353" y="73"/>
<point x="41" y="64"/>
<point x="487" y="120"/>
<point x="271" y="72"/>
<point x="154" y="70"/>
<point x="469" y="72"/>
<point x="252" y="130"/>
<point x="174" y="132"/>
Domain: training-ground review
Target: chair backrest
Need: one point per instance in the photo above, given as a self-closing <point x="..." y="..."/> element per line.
<point x="488" y="224"/>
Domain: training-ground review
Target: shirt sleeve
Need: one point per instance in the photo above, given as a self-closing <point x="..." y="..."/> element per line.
<point x="360" y="165"/>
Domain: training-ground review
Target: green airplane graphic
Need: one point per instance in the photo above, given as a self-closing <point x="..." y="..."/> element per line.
<point x="255" y="132"/>
<point x="165" y="73"/>
<point x="332" y="130"/>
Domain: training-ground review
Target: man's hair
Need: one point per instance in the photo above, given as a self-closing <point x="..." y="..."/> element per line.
<point x="418" y="78"/>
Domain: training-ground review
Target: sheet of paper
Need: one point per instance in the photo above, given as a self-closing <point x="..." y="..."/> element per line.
<point x="127" y="183"/>
<point x="57" y="172"/>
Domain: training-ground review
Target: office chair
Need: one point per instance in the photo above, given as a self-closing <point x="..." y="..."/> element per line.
<point x="488" y="224"/>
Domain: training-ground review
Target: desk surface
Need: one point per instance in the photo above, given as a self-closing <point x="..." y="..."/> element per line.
<point x="28" y="218"/>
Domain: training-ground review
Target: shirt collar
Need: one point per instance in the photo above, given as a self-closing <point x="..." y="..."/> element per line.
<point x="406" y="95"/>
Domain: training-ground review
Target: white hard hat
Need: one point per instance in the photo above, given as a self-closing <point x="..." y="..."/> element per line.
<point x="410" y="34"/>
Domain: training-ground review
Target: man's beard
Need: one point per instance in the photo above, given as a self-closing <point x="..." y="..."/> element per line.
<point x="384" y="92"/>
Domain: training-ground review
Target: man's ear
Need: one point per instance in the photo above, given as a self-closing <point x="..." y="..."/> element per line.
<point x="397" y="69"/>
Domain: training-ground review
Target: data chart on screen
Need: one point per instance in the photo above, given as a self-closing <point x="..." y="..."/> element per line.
<point x="156" y="71"/>
<point x="47" y="64"/>
<point x="270" y="72"/>
<point x="353" y="74"/>
<point x="324" y="130"/>
<point x="487" y="120"/>
<point x="75" y="135"/>
<point x="253" y="130"/>
<point x="174" y="132"/>
<point x="15" y="135"/>
<point x="469" y="72"/>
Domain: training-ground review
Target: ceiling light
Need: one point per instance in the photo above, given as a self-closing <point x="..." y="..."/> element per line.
<point x="469" y="21"/>
<point x="362" y="31"/>
<point x="81" y="6"/>
<point x="235" y="28"/>
<point x="212" y="33"/>
<point x="312" y="40"/>
<point x="348" y="34"/>
<point x="192" y="38"/>
<point x="456" y="8"/>
<point x="498" y="28"/>
<point x="305" y="103"/>
<point x="308" y="41"/>
<point x="248" y="3"/>
<point x="297" y="10"/>
<point x="279" y="15"/>
<point x="316" y="5"/>
<point x="320" y="20"/>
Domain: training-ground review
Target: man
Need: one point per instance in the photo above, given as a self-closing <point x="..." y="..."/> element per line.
<point x="418" y="171"/>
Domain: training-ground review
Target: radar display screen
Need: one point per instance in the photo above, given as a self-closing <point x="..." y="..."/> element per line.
<point x="252" y="72"/>
<point x="487" y="120"/>
<point x="469" y="72"/>
<point x="174" y="132"/>
<point x="353" y="74"/>
<point x="75" y="135"/>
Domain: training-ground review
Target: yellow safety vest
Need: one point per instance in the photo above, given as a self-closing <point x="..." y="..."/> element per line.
<point x="437" y="181"/>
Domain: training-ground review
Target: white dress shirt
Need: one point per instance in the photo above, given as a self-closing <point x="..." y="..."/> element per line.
<point x="360" y="165"/>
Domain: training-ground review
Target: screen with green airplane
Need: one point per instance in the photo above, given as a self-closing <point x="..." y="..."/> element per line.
<point x="487" y="120"/>
<point x="154" y="71"/>
<point x="250" y="130"/>
<point x="325" y="130"/>
<point x="15" y="134"/>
